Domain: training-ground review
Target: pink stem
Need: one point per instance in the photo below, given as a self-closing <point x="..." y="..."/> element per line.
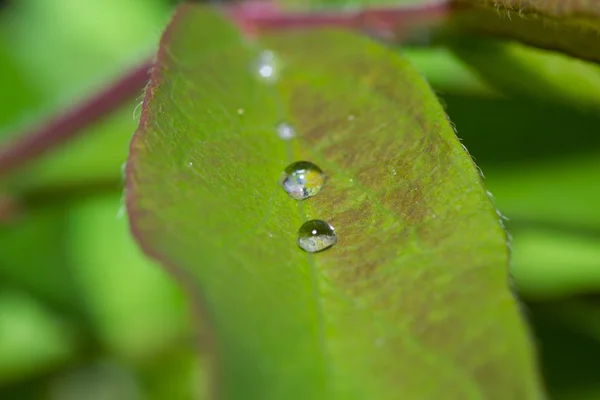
<point x="37" y="140"/>
<point x="262" y="15"/>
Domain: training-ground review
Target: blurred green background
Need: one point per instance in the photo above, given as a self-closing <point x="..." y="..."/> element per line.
<point x="84" y="315"/>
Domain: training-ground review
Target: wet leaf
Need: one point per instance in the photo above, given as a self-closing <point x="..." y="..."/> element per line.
<point x="412" y="301"/>
<point x="565" y="25"/>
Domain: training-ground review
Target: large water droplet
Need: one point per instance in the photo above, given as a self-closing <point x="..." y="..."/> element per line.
<point x="285" y="131"/>
<point x="316" y="235"/>
<point x="302" y="180"/>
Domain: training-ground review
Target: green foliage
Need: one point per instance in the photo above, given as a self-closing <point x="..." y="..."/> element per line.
<point x="84" y="315"/>
<point x="530" y="72"/>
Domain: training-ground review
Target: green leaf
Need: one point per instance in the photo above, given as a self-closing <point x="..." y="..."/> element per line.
<point x="568" y="26"/>
<point x="446" y="72"/>
<point x="569" y="352"/>
<point x="32" y="337"/>
<point x="412" y="302"/>
<point x="136" y="310"/>
<point x="526" y="71"/>
<point x="557" y="192"/>
<point x="45" y="272"/>
<point x="549" y="264"/>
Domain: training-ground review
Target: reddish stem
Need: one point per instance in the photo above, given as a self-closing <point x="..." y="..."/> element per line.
<point x="260" y="15"/>
<point x="38" y="139"/>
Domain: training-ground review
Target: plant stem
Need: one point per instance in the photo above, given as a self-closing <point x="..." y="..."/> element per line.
<point x="387" y="22"/>
<point x="62" y="127"/>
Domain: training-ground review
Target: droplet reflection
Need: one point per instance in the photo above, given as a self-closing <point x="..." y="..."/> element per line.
<point x="302" y="180"/>
<point x="285" y="131"/>
<point x="316" y="235"/>
<point x="267" y="67"/>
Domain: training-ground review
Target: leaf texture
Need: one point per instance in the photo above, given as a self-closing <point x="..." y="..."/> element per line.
<point x="411" y="303"/>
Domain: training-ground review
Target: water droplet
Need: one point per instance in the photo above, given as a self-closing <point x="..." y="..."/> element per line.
<point x="285" y="131"/>
<point x="316" y="235"/>
<point x="267" y="66"/>
<point x="240" y="111"/>
<point x="302" y="180"/>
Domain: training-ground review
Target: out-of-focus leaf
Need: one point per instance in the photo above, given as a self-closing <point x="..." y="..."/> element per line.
<point x="176" y="375"/>
<point x="445" y="72"/>
<point x="548" y="264"/>
<point x="32" y="338"/>
<point x="99" y="380"/>
<point x="522" y="70"/>
<point x="44" y="272"/>
<point x="569" y="357"/>
<point x="581" y="314"/>
<point x="562" y="191"/>
<point x="65" y="48"/>
<point x="571" y="27"/>
<point x="412" y="302"/>
<point x="136" y="308"/>
<point x="515" y="136"/>
<point x="17" y="93"/>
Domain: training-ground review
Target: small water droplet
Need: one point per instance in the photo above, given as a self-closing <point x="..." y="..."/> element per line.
<point x="285" y="131"/>
<point x="267" y="66"/>
<point x="394" y="172"/>
<point x="240" y="111"/>
<point x="302" y="180"/>
<point x="316" y="235"/>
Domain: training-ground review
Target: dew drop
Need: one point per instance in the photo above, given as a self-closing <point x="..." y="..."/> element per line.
<point x="267" y="66"/>
<point x="302" y="180"/>
<point x="316" y="235"/>
<point x="285" y="131"/>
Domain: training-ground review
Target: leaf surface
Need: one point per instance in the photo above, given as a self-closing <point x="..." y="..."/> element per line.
<point x="569" y="26"/>
<point x="412" y="302"/>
